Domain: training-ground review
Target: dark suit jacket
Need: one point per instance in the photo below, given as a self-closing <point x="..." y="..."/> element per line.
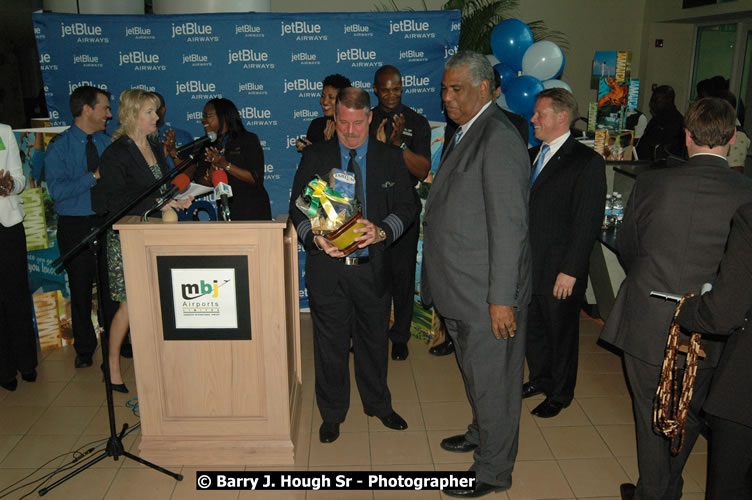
<point x="249" y="201"/>
<point x="674" y="233"/>
<point x="475" y="248"/>
<point x="726" y="310"/>
<point x="125" y="175"/>
<point x="519" y="122"/>
<point x="389" y="202"/>
<point x="566" y="212"/>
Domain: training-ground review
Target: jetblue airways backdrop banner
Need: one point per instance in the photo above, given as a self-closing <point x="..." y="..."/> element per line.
<point x="269" y="65"/>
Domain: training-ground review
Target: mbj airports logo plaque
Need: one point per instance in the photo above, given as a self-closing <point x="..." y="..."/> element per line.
<point x="204" y="297"/>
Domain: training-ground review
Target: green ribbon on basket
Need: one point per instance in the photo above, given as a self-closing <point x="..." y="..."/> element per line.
<point x="321" y="195"/>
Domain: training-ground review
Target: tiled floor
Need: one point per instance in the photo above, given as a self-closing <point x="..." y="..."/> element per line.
<point x="585" y="452"/>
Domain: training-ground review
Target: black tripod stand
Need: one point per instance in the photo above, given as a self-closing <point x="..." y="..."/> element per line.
<point x="114" y="447"/>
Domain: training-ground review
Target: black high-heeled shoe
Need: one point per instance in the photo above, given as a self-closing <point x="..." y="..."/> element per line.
<point x="115" y="387"/>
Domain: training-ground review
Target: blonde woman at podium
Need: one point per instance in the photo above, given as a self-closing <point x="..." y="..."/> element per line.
<point x="133" y="161"/>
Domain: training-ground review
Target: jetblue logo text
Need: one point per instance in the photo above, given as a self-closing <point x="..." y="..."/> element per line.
<point x="358" y="58"/>
<point x="303" y="31"/>
<point x="141" y="61"/>
<point x="248" y="30"/>
<point x="194" y="32"/>
<point x="358" y="30"/>
<point x="411" y="28"/>
<point x="85" y="32"/>
<point x="139" y="32"/>
<point x="302" y="85"/>
<point x="251" y="59"/>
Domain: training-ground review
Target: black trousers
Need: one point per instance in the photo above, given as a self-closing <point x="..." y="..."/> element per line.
<point x="81" y="269"/>
<point x="351" y="307"/>
<point x="660" y="471"/>
<point x="402" y="256"/>
<point x="18" y="341"/>
<point x="730" y="460"/>
<point x="552" y="345"/>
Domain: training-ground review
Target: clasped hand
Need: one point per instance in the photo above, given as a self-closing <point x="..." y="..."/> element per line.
<point x="369" y="236"/>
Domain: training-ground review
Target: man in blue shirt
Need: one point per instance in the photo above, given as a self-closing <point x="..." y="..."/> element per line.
<point x="72" y="170"/>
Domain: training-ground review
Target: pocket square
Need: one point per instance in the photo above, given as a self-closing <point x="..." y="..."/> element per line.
<point x="387" y="184"/>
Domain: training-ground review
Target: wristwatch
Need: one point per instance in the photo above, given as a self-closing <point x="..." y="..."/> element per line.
<point x="403" y="146"/>
<point x="382" y="235"/>
<point x="227" y="167"/>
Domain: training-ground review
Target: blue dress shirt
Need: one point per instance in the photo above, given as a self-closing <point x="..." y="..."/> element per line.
<point x="68" y="178"/>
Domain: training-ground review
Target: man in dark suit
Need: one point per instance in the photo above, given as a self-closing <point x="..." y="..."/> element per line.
<point x="476" y="266"/>
<point x="348" y="295"/>
<point x="396" y="124"/>
<point x="567" y="196"/>
<point x="673" y="236"/>
<point x="726" y="310"/>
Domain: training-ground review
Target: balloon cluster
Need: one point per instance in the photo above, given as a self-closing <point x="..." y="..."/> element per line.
<point x="526" y="67"/>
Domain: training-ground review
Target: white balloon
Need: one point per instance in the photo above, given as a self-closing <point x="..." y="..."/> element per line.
<point x="550" y="84"/>
<point x="543" y="60"/>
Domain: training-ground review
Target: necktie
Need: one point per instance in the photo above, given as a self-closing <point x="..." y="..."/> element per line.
<point x="352" y="166"/>
<point x="539" y="163"/>
<point x="453" y="142"/>
<point x="92" y="155"/>
<point x="458" y="136"/>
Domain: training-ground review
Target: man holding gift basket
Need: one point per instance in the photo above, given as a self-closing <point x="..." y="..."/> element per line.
<point x="345" y="227"/>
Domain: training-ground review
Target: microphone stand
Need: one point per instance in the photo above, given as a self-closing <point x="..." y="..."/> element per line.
<point x="114" y="447"/>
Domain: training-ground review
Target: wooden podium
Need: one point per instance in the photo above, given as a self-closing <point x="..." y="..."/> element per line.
<point x="206" y="397"/>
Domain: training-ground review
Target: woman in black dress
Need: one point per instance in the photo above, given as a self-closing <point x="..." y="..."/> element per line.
<point x="322" y="128"/>
<point x="128" y="166"/>
<point x="237" y="152"/>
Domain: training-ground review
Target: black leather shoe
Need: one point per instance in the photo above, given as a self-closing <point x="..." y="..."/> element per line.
<point x="392" y="421"/>
<point x="444" y="349"/>
<point x="627" y="491"/>
<point x="329" y="432"/>
<point x="29" y="376"/>
<point x="480" y="490"/>
<point x="10" y="385"/>
<point x="82" y="361"/>
<point x="529" y="390"/>
<point x="399" y="351"/>
<point x="548" y="409"/>
<point x="457" y="444"/>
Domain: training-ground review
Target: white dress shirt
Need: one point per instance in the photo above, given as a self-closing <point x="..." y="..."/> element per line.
<point x="11" y="207"/>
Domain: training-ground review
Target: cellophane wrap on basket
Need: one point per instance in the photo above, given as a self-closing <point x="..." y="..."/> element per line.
<point x="328" y="205"/>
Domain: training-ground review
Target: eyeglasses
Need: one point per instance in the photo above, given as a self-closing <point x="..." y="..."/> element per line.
<point x="208" y="115"/>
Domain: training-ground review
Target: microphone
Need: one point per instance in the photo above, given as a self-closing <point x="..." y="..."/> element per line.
<point x="179" y="183"/>
<point x="192" y="146"/>
<point x="222" y="191"/>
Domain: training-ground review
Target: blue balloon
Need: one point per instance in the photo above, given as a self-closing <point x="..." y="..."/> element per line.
<point x="509" y="41"/>
<point x="507" y="75"/>
<point x="563" y="62"/>
<point x="522" y="94"/>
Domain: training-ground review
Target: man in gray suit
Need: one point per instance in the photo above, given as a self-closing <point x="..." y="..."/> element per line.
<point x="675" y="229"/>
<point x="476" y="266"/>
